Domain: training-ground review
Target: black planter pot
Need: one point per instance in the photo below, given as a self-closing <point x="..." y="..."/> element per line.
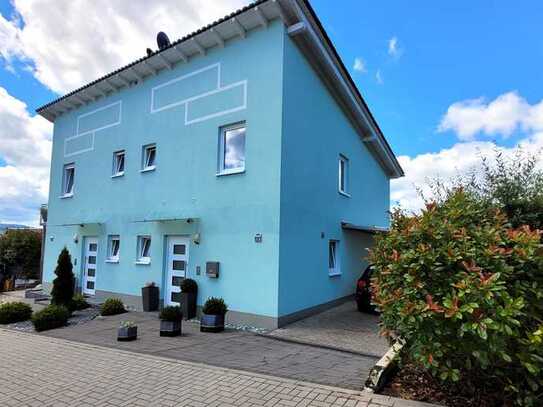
<point x="149" y="297"/>
<point x="188" y="305"/>
<point x="170" y="328"/>
<point x="127" y="334"/>
<point x="212" y="323"/>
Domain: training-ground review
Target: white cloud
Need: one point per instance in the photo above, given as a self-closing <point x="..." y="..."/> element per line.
<point x="25" y="146"/>
<point x="379" y="77"/>
<point x="359" y="65"/>
<point x="504" y="115"/>
<point x="394" y="49"/>
<point x="446" y="165"/>
<point x="69" y="43"/>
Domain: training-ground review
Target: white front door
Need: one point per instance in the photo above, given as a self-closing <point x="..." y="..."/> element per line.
<point x="176" y="268"/>
<point x="89" y="265"/>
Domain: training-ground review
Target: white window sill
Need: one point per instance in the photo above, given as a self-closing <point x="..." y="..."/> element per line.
<point x="112" y="261"/>
<point x="148" y="169"/>
<point x="119" y="174"/>
<point x="344" y="194"/>
<point x="143" y="262"/>
<point x="230" y="172"/>
<point x="65" y="196"/>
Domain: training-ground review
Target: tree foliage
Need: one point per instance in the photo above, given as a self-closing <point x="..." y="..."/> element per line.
<point x="513" y="183"/>
<point x="64" y="284"/>
<point x="464" y="289"/>
<point x="20" y="252"/>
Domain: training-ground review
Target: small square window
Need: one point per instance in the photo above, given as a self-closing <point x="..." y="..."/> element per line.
<point x="114" y="246"/>
<point x="68" y="179"/>
<point x="232" y="149"/>
<point x="144" y="249"/>
<point x="149" y="157"/>
<point x="118" y="163"/>
<point x="343" y="179"/>
<point x="333" y="259"/>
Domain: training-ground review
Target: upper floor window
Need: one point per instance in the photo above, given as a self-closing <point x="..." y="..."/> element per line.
<point x="114" y="245"/>
<point x="118" y="163"/>
<point x="343" y="175"/>
<point x="232" y="149"/>
<point x="333" y="260"/>
<point x="148" y="162"/>
<point x="68" y="180"/>
<point x="144" y="250"/>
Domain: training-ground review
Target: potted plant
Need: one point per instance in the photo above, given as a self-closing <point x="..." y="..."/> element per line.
<point x="128" y="331"/>
<point x="149" y="296"/>
<point x="189" y="293"/>
<point x="213" y="315"/>
<point x="170" y="321"/>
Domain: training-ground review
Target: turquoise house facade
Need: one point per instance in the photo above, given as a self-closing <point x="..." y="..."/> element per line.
<point x="234" y="156"/>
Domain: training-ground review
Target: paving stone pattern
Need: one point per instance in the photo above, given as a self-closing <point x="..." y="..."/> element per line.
<point x="341" y="327"/>
<point x="46" y="371"/>
<point x="231" y="349"/>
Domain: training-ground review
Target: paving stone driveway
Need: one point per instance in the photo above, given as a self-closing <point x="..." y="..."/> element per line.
<point x="231" y="349"/>
<point x="45" y="371"/>
<point x="341" y="327"/>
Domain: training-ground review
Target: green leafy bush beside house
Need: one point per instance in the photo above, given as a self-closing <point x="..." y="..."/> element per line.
<point x="14" y="312"/>
<point x="51" y="317"/>
<point x="112" y="306"/>
<point x="464" y="289"/>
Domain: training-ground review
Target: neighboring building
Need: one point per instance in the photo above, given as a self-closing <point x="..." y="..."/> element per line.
<point x="245" y="143"/>
<point x="4" y="227"/>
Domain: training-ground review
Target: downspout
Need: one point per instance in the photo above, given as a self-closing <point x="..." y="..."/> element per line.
<point x="43" y="223"/>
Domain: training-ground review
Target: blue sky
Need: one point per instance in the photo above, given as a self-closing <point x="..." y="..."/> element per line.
<point x="452" y="51"/>
<point x="453" y="76"/>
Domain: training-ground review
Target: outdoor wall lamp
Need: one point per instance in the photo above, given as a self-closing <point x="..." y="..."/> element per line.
<point x="196" y="238"/>
<point x="76" y="238"/>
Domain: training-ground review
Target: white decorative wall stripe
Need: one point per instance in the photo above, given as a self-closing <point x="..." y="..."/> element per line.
<point x="88" y="124"/>
<point x="201" y="93"/>
<point x="207" y="110"/>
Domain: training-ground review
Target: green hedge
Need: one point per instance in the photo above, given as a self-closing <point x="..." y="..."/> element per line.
<point x="465" y="291"/>
<point x="53" y="316"/>
<point x="112" y="306"/>
<point x="14" y="312"/>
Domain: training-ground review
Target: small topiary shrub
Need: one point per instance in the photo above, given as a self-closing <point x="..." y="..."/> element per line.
<point x="465" y="291"/>
<point x="12" y="312"/>
<point x="188" y="285"/>
<point x="51" y="317"/>
<point x="64" y="284"/>
<point x="171" y="313"/>
<point x="79" y="303"/>
<point x="215" y="306"/>
<point x="112" y="306"/>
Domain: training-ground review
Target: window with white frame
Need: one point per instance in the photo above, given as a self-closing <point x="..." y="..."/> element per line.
<point x="113" y="248"/>
<point x="333" y="258"/>
<point x="149" y="157"/>
<point x="68" y="179"/>
<point x="118" y="163"/>
<point x="232" y="149"/>
<point x="343" y="175"/>
<point x="144" y="249"/>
